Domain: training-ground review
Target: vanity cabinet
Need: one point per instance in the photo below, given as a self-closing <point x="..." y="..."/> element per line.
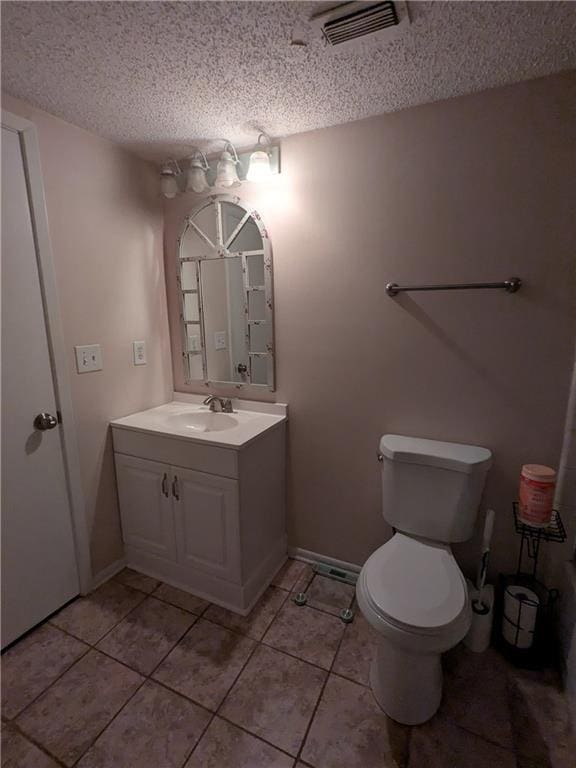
<point x="203" y="517"/>
<point x="180" y="515"/>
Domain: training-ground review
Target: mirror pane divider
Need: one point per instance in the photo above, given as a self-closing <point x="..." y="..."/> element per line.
<point x="269" y="298"/>
<point x="241" y="223"/>
<point x="245" y="280"/>
<point x="202" y="235"/>
<point x="219" y="227"/>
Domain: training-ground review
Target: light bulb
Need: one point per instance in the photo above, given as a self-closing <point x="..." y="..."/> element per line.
<point x="259" y="167"/>
<point x="226" y="174"/>
<point x="196" y="179"/>
<point x="168" y="183"/>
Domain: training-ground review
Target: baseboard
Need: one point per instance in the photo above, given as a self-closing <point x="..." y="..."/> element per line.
<point x="314" y="557"/>
<point x="106" y="573"/>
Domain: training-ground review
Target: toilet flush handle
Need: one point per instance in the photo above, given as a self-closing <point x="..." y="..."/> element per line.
<point x="380" y="457"/>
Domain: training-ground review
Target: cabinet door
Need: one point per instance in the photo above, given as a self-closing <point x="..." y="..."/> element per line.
<point x="206" y="509"/>
<point x="146" y="505"/>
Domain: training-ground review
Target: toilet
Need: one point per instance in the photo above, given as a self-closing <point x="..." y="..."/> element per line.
<point x="411" y="589"/>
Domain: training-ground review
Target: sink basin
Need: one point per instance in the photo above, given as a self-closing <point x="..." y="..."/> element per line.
<point x="201" y="422"/>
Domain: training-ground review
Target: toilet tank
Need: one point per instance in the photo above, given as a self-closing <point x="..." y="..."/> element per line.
<point x="431" y="488"/>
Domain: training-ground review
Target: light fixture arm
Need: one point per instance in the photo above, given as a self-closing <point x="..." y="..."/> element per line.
<point x="262" y="135"/>
<point x="228" y="144"/>
<point x="174" y="162"/>
<point x="197" y="153"/>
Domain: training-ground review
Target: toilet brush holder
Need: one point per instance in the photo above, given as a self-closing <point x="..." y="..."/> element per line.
<point x="478" y="637"/>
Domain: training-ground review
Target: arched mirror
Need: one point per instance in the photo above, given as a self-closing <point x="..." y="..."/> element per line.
<point x="225" y="276"/>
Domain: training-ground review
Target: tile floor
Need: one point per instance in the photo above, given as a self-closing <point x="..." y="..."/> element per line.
<point x="142" y="675"/>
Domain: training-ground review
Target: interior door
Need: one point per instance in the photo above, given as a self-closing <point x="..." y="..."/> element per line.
<point x="206" y="508"/>
<point x="144" y="490"/>
<point x="39" y="569"/>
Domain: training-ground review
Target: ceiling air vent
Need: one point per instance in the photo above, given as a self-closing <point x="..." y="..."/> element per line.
<point x="346" y="23"/>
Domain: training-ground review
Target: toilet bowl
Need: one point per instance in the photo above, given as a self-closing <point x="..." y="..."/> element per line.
<point x="414" y="595"/>
<point x="411" y="589"/>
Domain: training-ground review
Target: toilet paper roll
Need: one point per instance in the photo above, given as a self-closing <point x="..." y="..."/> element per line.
<point x="520" y="614"/>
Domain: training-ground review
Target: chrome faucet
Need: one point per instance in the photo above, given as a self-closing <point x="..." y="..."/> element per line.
<point x="219" y="404"/>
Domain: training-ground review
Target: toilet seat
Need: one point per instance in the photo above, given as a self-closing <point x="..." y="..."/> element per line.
<point x="415" y="585"/>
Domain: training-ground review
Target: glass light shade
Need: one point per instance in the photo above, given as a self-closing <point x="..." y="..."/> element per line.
<point x="259" y="167"/>
<point x="226" y="174"/>
<point x="196" y="179"/>
<point x="168" y="183"/>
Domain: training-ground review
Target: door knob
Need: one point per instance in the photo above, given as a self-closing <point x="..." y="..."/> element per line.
<point x="45" y="421"/>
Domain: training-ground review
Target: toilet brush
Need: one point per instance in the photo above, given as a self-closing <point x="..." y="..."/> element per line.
<point x="479" y="604"/>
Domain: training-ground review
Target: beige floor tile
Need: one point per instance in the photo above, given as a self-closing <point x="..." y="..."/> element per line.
<point x="71" y="713"/>
<point x="329" y="595"/>
<point x="91" y="617"/>
<point x="349" y="730"/>
<point x="307" y="633"/>
<point x="293" y="573"/>
<point x="156" y="729"/>
<point x="181" y="599"/>
<point x="475" y="694"/>
<point x="18" y="752"/>
<point x="275" y="697"/>
<point x="147" y="634"/>
<point x="258" y="620"/>
<point x="442" y="744"/>
<point x="205" y="663"/>
<point x="224" y="745"/>
<point x="131" y="578"/>
<point x="357" y="650"/>
<point x="544" y="733"/>
<point x="32" y="664"/>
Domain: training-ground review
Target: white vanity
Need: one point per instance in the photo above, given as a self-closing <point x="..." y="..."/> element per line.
<point x="202" y="496"/>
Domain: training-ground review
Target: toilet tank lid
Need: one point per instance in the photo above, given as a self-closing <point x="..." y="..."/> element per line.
<point x="434" y="453"/>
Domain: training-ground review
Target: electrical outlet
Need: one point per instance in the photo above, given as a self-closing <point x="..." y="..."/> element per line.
<point x="139" y="350"/>
<point x="88" y="358"/>
<point x="220" y="340"/>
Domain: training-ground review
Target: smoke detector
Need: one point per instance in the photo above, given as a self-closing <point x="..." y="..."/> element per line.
<point x="345" y="25"/>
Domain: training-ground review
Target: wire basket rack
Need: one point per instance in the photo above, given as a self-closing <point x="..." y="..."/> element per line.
<point x="527" y="605"/>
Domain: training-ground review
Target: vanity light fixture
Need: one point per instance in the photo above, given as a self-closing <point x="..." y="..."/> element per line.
<point x="168" y="179"/>
<point x="196" y="179"/>
<point x="259" y="168"/>
<point x="226" y="173"/>
<point x="230" y="169"/>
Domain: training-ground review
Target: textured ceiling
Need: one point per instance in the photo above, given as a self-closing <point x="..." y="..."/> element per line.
<point x="159" y="76"/>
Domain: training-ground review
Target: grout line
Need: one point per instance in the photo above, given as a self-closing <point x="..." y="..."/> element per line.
<point x="68" y="668"/>
<point x="214" y="713"/>
<point x="37" y="744"/>
<point x="313" y="715"/>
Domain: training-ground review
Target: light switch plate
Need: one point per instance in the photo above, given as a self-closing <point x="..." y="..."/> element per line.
<point x="88" y="358"/>
<point x="139" y="349"/>
<point x="220" y="340"/>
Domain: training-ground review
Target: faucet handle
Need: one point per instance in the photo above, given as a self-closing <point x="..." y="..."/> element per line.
<point x="227" y="406"/>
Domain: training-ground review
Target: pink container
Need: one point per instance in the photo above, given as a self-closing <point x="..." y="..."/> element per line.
<point x="537" y="485"/>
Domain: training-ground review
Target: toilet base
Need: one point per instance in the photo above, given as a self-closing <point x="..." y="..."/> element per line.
<point x="407" y="686"/>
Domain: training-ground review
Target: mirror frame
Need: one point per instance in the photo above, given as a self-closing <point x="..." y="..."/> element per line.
<point x="220" y="250"/>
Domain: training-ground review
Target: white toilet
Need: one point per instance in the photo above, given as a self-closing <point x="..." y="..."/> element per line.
<point x="411" y="590"/>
